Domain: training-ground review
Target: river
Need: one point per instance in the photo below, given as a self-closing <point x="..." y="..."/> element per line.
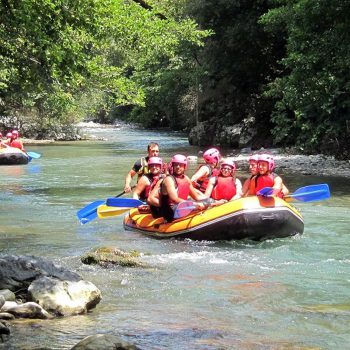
<point x="290" y="293"/>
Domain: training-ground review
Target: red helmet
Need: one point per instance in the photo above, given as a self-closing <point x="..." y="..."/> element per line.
<point x="269" y="159"/>
<point x="178" y="158"/>
<point x="230" y="163"/>
<point x="212" y="156"/>
<point x="155" y="160"/>
<point x="9" y="135"/>
<point x="253" y="158"/>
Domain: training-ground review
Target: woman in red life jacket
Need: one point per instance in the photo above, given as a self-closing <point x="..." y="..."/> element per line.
<point x="201" y="177"/>
<point x="15" y="141"/>
<point x="149" y="180"/>
<point x="249" y="184"/>
<point x="225" y="187"/>
<point x="267" y="178"/>
<point x="173" y="189"/>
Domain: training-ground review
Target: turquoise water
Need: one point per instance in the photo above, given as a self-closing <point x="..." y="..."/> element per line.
<point x="283" y="294"/>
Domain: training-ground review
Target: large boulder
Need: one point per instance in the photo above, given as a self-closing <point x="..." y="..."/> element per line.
<point x="64" y="297"/>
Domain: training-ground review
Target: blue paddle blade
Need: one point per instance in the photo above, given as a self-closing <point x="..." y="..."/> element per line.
<point x="123" y="202"/>
<point x="89" y="209"/>
<point x="311" y="193"/>
<point x="183" y="209"/>
<point x="92" y="216"/>
<point x="34" y="155"/>
<point x="266" y="191"/>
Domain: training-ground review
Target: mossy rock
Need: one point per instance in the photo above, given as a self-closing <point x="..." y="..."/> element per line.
<point x="105" y="256"/>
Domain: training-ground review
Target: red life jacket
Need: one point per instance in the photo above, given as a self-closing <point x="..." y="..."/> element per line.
<point x="182" y="186"/>
<point x="202" y="183"/>
<point x="266" y="181"/>
<point x="152" y="182"/>
<point x="17" y="143"/>
<point x="225" y="188"/>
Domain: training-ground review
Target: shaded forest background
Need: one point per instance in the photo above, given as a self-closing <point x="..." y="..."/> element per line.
<point x="280" y="64"/>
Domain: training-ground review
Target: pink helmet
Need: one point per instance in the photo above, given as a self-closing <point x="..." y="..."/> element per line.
<point x="269" y="159"/>
<point x="178" y="158"/>
<point x="253" y="158"/>
<point x="211" y="156"/>
<point x="230" y="163"/>
<point x="155" y="160"/>
<point x="15" y="133"/>
<point x="9" y="135"/>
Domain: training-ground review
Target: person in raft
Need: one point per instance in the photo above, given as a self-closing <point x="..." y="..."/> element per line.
<point x="140" y="167"/>
<point x="172" y="190"/>
<point x="249" y="184"/>
<point x="147" y="181"/>
<point x="225" y="186"/>
<point x="201" y="177"/>
<point x="15" y="140"/>
<point x="267" y="178"/>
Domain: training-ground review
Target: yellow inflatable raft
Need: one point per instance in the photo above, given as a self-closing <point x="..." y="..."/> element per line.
<point x="254" y="218"/>
<point x="12" y="156"/>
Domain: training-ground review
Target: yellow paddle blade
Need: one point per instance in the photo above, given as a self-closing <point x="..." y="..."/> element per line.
<point x="105" y="211"/>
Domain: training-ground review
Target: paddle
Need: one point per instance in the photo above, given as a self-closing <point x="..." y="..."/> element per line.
<point x="33" y="155"/>
<point x="105" y="211"/>
<point x="89" y="212"/>
<point x="184" y="208"/>
<point x="304" y="194"/>
<point x="123" y="202"/>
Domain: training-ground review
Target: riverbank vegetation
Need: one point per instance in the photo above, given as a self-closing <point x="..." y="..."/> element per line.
<point x="281" y="65"/>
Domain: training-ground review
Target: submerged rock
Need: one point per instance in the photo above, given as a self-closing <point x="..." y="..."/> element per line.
<point x="104" y="342"/>
<point x="111" y="256"/>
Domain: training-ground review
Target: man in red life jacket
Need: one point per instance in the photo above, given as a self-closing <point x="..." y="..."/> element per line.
<point x="147" y="181"/>
<point x="201" y="177"/>
<point x="140" y="167"/>
<point x="249" y="184"/>
<point x="225" y="187"/>
<point x="174" y="189"/>
<point x="15" y="141"/>
<point x="267" y="178"/>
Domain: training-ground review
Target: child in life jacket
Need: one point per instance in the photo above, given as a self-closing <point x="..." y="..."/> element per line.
<point x="249" y="184"/>
<point x="267" y="178"/>
<point x="147" y="181"/>
<point x="225" y="186"/>
<point x="201" y="177"/>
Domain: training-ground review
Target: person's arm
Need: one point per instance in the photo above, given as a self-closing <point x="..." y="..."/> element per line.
<point x="238" y="190"/>
<point x="285" y="190"/>
<point x="141" y="185"/>
<point x="210" y="187"/>
<point x="278" y="184"/>
<point x="245" y="188"/>
<point x="203" y="171"/>
<point x="154" y="195"/>
<point x="128" y="179"/>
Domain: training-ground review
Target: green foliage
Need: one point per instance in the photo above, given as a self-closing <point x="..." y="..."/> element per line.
<point x="57" y="54"/>
<point x="313" y="93"/>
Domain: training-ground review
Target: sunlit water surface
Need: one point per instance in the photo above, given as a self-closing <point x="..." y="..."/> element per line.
<point x="290" y="293"/>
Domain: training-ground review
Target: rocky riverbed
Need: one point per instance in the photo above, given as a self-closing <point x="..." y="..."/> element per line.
<point x="285" y="161"/>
